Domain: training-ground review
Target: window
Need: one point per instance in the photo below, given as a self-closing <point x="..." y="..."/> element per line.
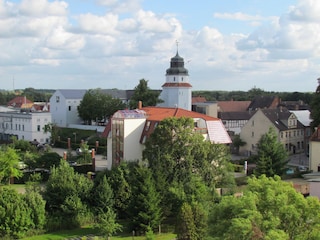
<point x="69" y="108"/>
<point x="57" y="99"/>
<point x="281" y="134"/>
<point x="252" y="123"/>
<point x="22" y="127"/>
<point x="252" y="134"/>
<point x="38" y="128"/>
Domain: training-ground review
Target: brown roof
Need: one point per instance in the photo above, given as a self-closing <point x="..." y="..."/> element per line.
<point x="177" y="85"/>
<point x="316" y="135"/>
<point x="198" y="99"/>
<point x="17" y="102"/>
<point x="233" y="106"/>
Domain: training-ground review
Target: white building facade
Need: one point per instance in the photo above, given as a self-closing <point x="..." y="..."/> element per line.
<point x="64" y="106"/>
<point x="24" y="125"/>
<point x="176" y="92"/>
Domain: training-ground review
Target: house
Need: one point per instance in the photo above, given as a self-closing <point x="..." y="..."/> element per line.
<point x="24" y="125"/>
<point x="264" y="102"/>
<point x="128" y="130"/>
<point x="290" y="131"/>
<point x="234" y="114"/>
<point x="20" y="102"/>
<point x="207" y="108"/>
<point x="64" y="104"/>
<point x="314" y="151"/>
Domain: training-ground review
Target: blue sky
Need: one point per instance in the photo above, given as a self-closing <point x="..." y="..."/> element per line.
<point x="227" y="45"/>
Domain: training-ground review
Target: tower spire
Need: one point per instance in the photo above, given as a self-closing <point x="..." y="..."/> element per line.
<point x="177" y="43"/>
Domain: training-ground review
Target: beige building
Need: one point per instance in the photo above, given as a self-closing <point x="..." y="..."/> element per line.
<point x="314" y="153"/>
<point x="290" y="131"/>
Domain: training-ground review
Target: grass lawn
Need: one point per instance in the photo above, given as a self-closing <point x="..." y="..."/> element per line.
<point x="65" y="234"/>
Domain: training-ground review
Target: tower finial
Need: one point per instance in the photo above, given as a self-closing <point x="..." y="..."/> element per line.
<point x="177" y="43"/>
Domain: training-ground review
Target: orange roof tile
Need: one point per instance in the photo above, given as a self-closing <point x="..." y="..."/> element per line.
<point x="160" y="113"/>
<point x="198" y="99"/>
<point x="177" y="85"/>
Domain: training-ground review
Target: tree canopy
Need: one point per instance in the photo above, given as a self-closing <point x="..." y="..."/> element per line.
<point x="98" y="106"/>
<point x="272" y="156"/>
<point x="269" y="209"/>
<point x="315" y="109"/>
<point x="9" y="164"/>
<point x="144" y="94"/>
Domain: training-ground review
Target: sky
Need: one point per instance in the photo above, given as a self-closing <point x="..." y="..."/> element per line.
<point x="227" y="45"/>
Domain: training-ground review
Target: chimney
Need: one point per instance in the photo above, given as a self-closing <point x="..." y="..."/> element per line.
<point x="139" y="104"/>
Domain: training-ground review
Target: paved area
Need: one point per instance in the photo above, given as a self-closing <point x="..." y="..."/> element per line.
<point x="101" y="161"/>
<point x="299" y="160"/>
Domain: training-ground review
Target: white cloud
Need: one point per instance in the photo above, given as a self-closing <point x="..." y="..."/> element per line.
<point x="238" y="16"/>
<point x="40" y="8"/>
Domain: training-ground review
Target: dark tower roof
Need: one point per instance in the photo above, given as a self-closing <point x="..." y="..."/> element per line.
<point x="177" y="66"/>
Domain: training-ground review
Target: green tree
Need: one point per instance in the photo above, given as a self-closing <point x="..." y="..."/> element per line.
<point x="118" y="179"/>
<point x="315" y="109"/>
<point x="106" y="223"/>
<point x="186" y="228"/>
<point x="67" y="195"/>
<point x="144" y="94"/>
<point x="53" y="129"/>
<point x="144" y="206"/>
<point x="272" y="156"/>
<point x="181" y="161"/>
<point x="14" y="214"/>
<point x="9" y="164"/>
<point x="269" y="209"/>
<point x="98" y="106"/>
<point x="102" y="196"/>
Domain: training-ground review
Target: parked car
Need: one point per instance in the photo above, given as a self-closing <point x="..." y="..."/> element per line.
<point x="80" y="151"/>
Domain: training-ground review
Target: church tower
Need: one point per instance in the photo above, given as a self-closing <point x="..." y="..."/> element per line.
<point x="176" y="92"/>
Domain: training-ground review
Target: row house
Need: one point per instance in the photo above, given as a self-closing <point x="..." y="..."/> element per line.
<point x="290" y="131"/>
<point x="24" y="125"/>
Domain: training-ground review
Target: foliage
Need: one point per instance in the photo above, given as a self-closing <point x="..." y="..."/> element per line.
<point x="186" y="228"/>
<point x="48" y="160"/>
<point x="102" y="196"/>
<point x="22" y="145"/>
<point x="9" y="164"/>
<point x="144" y="205"/>
<point x="315" y="110"/>
<point x="53" y="129"/>
<point x="181" y="161"/>
<point x="144" y="94"/>
<point x="98" y="106"/>
<point x="272" y="156"/>
<point x="118" y="179"/>
<point x="67" y="195"/>
<point x="15" y="214"/>
<point x="106" y="223"/>
<point x="269" y="209"/>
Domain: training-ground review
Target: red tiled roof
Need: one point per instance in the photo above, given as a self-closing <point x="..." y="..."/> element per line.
<point x="198" y="99"/>
<point x="160" y="113"/>
<point x="18" y="101"/>
<point x="177" y="85"/>
<point x="233" y="106"/>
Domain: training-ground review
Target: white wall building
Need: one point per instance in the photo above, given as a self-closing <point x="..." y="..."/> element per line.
<point x="128" y="130"/>
<point x="176" y="92"/>
<point x="63" y="106"/>
<point x="24" y="125"/>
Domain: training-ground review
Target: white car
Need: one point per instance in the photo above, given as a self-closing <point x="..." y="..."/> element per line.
<point x="80" y="151"/>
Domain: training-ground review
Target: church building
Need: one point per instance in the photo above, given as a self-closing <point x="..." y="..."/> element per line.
<point x="176" y="91"/>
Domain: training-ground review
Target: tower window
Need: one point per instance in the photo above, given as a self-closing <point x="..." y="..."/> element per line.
<point x="174" y="79"/>
<point x="182" y="79"/>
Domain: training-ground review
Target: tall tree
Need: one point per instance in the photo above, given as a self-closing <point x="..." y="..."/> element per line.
<point x="67" y="195"/>
<point x="144" y="206"/>
<point x="272" y="156"/>
<point x="98" y="106"/>
<point x="144" y="94"/>
<point x="183" y="162"/>
<point x="9" y="164"/>
<point x="269" y="209"/>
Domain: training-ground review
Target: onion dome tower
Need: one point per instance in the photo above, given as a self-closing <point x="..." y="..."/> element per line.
<point x="176" y="91"/>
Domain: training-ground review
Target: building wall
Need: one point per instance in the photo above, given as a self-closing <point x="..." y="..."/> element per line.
<point x="314" y="156"/>
<point x="314" y="188"/>
<point x="26" y="126"/>
<point x="64" y="111"/>
<point x="252" y="131"/>
<point x="132" y="132"/>
<point x="176" y="97"/>
<point x="58" y="109"/>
